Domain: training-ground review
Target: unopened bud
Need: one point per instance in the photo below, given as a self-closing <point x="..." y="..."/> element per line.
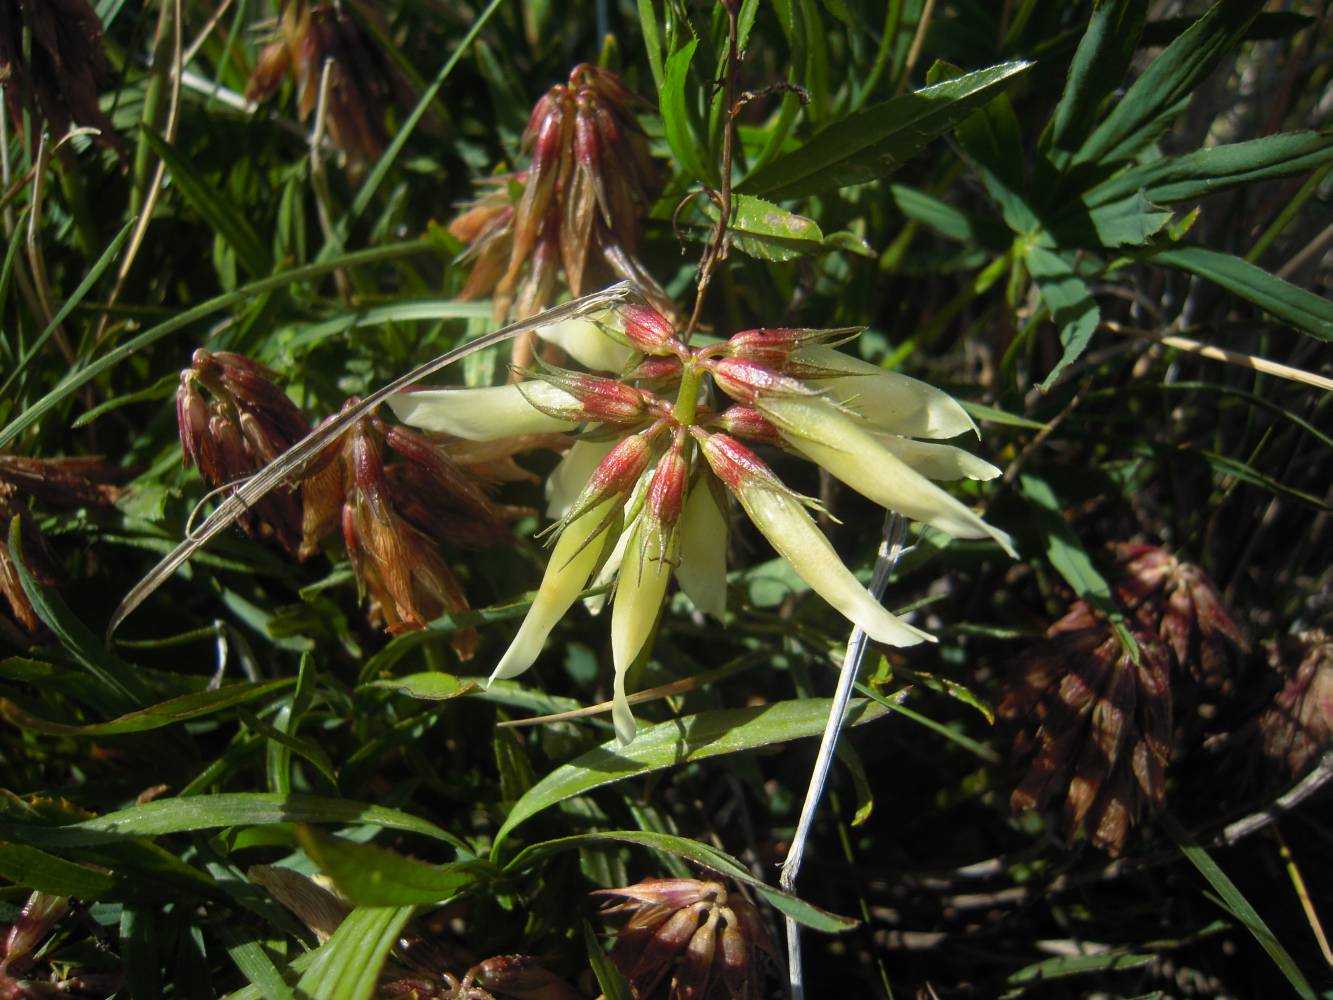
<point x="616" y="474"/>
<point x="747" y="381"/>
<point x="666" y="370"/>
<point x="747" y="422"/>
<point x="587" y="397"/>
<point x="734" y="464"/>
<point x="774" y="347"/>
<point x="649" y="331"/>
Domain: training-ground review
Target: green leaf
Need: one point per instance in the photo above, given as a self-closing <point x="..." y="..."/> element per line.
<point x="1131" y="221"/>
<point x="371" y="876"/>
<point x="682" y="131"/>
<point x="42" y="872"/>
<point x="80" y="377"/>
<point x="1147" y="108"/>
<point x="123" y="691"/>
<point x="702" y="854"/>
<point x="1064" y="966"/>
<point x="652" y="39"/>
<point x="433" y="685"/>
<point x="1071" y="305"/>
<point x="1217" y="168"/>
<point x="394" y="312"/>
<point x="251" y="958"/>
<point x="667" y="744"/>
<point x="206" y="198"/>
<point x="1304" y="310"/>
<point x="187" y="706"/>
<point x="206" y="812"/>
<point x="1100" y="63"/>
<point x="946" y="219"/>
<point x="347" y="966"/>
<point x="767" y="232"/>
<point x="992" y="138"/>
<point x="876" y="141"/>
<point x="609" y="979"/>
<point x="1234" y="901"/>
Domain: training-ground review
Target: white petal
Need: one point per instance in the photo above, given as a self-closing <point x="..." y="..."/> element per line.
<point x="482" y="414"/>
<point x="568" y="478"/>
<point x="794" y="534"/>
<point x="898" y="403"/>
<point x="640" y="590"/>
<point x="823" y="434"/>
<point x="595" y="603"/>
<point x="574" y="558"/>
<point x="702" y="570"/>
<point x="585" y="342"/>
<point x="938" y="461"/>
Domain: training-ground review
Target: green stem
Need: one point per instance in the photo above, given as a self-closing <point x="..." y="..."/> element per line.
<point x="687" y="399"/>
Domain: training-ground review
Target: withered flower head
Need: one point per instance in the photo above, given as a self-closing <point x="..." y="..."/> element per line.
<point x="51" y="59"/>
<point x="60" y="482"/>
<point x="688" y="939"/>
<point x="1299" y="725"/>
<point x="1097" y="725"/>
<point x="394" y="513"/>
<point x="1179" y="602"/>
<point x="587" y="187"/>
<point x="363" y="84"/>
<point x="240" y="423"/>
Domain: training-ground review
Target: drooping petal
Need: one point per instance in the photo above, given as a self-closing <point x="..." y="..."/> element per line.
<point x="896" y="403"/>
<point x="939" y="461"/>
<point x="640" y="590"/>
<point x="702" y="571"/>
<point x="567" y="480"/>
<point x="807" y="425"/>
<point x="483" y="414"/>
<point x="585" y="342"/>
<point x="793" y="533"/>
<point x="573" y="561"/>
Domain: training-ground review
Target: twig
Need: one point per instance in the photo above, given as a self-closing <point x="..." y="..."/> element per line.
<point x="36" y="260"/>
<point x="319" y="181"/>
<point x="1303" y="894"/>
<point x="1238" y="358"/>
<point x="890" y="548"/>
<point x="918" y="41"/>
<point x="717" y="245"/>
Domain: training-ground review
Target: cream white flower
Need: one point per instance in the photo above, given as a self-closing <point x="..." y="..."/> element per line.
<point x="638" y="498"/>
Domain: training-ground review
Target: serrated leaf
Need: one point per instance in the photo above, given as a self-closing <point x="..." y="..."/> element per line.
<point x="702" y="854"/>
<point x="372" y="876"/>
<point x="668" y="744"/>
<point x="1071" y="305"/>
<point x="767" y="232"/>
<point x="876" y="141"/>
<point x="187" y="706"/>
<point x="1148" y="107"/>
<point x="1304" y="310"/>
<point x="347" y="965"/>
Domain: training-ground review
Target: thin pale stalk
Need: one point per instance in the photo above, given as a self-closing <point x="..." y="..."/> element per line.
<point x="319" y="181"/>
<point x="890" y="549"/>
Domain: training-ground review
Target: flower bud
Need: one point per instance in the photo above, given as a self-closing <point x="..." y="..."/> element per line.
<point x="748" y="381"/>
<point x="774" y="347"/>
<point x="746" y="422"/>
<point x="649" y="331"/>
<point x="735" y="465"/>
<point x="615" y="475"/>
<point x="667" y="370"/>
<point x="601" y="400"/>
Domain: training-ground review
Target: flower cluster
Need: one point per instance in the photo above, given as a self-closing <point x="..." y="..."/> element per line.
<point x="1298" y="727"/>
<point x="587" y="187"/>
<point x="1096" y="716"/>
<point x="233" y="419"/>
<point x="362" y="85"/>
<point x="688" y="939"/>
<point x="60" y="482"/>
<point x="642" y="493"/>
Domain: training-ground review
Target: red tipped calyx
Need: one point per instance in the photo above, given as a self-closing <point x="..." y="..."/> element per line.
<point x="747" y="381"/>
<point x="747" y="422"/>
<point x="649" y="331"/>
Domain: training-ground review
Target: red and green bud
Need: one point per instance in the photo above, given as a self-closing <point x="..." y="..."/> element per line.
<point x="649" y="331"/>
<point x="774" y="347"/>
<point x="748" y="423"/>
<point x="596" y="399"/>
<point x="747" y="382"/>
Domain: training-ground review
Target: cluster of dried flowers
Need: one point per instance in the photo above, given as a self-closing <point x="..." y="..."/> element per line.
<point x="64" y="483"/>
<point x="234" y="419"/>
<point x="1298" y="727"/>
<point x="688" y="939"/>
<point x="579" y="202"/>
<point x="363" y="83"/>
<point x="1096" y="714"/>
<point x="642" y="495"/>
